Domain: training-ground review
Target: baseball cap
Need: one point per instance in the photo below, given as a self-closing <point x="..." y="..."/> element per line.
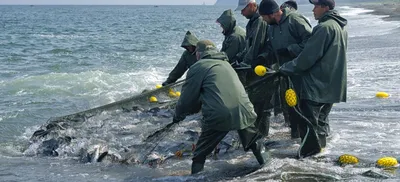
<point x="204" y="45"/>
<point x="243" y="3"/>
<point x="330" y="3"/>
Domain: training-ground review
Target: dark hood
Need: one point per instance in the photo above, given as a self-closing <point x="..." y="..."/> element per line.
<point x="333" y="14"/>
<point x="214" y="54"/>
<point x="286" y="13"/>
<point x="189" y="40"/>
<point x="227" y="21"/>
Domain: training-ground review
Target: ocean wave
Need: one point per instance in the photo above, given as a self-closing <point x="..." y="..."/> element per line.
<point x="351" y="11"/>
<point x="59" y="51"/>
<point x="61" y="36"/>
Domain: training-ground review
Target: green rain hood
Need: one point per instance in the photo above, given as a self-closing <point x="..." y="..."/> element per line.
<point x="235" y="36"/>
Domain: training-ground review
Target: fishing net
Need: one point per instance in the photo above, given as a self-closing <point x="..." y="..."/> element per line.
<point x="166" y="98"/>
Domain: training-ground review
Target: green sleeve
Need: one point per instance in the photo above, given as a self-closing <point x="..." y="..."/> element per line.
<point x="179" y="69"/>
<point x="313" y="52"/>
<point x="303" y="30"/>
<point x="267" y="56"/>
<point x="231" y="47"/>
<point x="258" y="42"/>
<point x="189" y="101"/>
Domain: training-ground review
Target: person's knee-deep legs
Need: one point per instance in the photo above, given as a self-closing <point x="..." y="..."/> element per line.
<point x="207" y="142"/>
<point x="294" y="119"/>
<point x="263" y="118"/>
<point x="308" y="127"/>
<point x="323" y="121"/>
<point x="250" y="139"/>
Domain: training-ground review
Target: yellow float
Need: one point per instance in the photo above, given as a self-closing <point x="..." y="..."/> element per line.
<point x="260" y="70"/>
<point x="178" y="94"/>
<point x="153" y="99"/>
<point x="291" y="98"/>
<point x="158" y="86"/>
<point x="387" y="162"/>
<point x="382" y="95"/>
<point x="172" y="94"/>
<point x="346" y="159"/>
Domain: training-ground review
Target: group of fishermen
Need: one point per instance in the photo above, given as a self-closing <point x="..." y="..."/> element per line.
<point x="312" y="61"/>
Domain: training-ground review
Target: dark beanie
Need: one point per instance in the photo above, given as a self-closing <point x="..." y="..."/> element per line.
<point x="268" y="7"/>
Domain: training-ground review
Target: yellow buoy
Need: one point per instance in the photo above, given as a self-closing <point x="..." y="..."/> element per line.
<point x="387" y="162"/>
<point x="172" y="94"/>
<point x="291" y="98"/>
<point x="260" y="70"/>
<point x="347" y="159"/>
<point x="382" y="95"/>
<point x="171" y="90"/>
<point x="153" y="99"/>
<point x="178" y="94"/>
<point x="158" y="86"/>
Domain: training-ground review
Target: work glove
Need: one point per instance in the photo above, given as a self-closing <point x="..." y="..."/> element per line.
<point x="165" y="83"/>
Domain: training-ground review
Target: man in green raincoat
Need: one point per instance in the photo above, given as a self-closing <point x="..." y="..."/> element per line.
<point x="288" y="33"/>
<point x="235" y="40"/>
<point x="235" y="36"/>
<point x="213" y="85"/>
<point x="322" y="71"/>
<point x="187" y="59"/>
<point x="256" y="33"/>
<point x="256" y="46"/>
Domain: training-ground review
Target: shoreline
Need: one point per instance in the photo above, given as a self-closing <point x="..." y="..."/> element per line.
<point x="390" y="8"/>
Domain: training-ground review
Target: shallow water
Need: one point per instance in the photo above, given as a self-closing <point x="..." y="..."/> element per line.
<point x="59" y="60"/>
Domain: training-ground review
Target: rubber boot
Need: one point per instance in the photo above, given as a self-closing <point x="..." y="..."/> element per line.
<point x="294" y="133"/>
<point x="197" y="167"/>
<point x="259" y="152"/>
<point x="322" y="140"/>
<point x="309" y="144"/>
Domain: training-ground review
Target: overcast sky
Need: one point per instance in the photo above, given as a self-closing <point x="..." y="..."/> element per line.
<point x="135" y="2"/>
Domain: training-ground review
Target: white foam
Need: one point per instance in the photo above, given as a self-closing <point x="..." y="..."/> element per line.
<point x="90" y="84"/>
<point x="361" y="24"/>
<point x="349" y="11"/>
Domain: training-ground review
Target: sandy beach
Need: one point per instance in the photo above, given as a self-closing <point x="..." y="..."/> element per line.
<point x="383" y="7"/>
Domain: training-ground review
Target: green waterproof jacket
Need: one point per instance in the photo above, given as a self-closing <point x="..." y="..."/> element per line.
<point x="322" y="65"/>
<point x="235" y="36"/>
<point x="256" y="37"/>
<point x="292" y="33"/>
<point x="212" y="84"/>
<point x="187" y="59"/>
